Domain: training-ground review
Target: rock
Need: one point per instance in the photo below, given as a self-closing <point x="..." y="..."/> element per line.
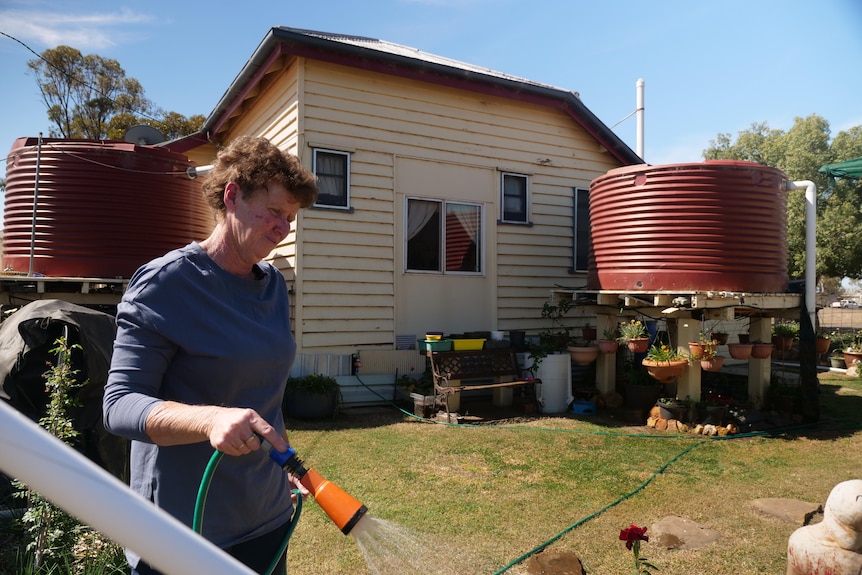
<point x="680" y="533"/>
<point x="835" y="544"/>
<point x="555" y="563"/>
<point x="790" y="510"/>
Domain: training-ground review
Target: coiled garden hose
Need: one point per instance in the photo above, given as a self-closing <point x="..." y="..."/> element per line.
<point x="200" y="503"/>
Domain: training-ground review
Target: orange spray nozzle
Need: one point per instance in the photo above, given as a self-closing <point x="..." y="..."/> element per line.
<point x="344" y="510"/>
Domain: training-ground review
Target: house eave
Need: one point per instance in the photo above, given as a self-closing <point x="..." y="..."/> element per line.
<point x="315" y="45"/>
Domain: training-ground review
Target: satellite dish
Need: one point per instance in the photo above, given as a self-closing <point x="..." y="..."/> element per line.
<point x="143" y="135"/>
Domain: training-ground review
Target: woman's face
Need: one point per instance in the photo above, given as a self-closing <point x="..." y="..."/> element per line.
<point x="259" y="224"/>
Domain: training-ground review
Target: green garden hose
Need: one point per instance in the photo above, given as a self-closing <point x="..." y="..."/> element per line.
<point x="200" y="503"/>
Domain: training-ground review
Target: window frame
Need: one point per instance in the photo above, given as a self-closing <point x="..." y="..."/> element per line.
<point x="504" y="175"/>
<point x="581" y="198"/>
<point x="442" y="245"/>
<point x="314" y="169"/>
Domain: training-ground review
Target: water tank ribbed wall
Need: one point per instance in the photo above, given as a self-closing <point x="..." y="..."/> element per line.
<point x="103" y="208"/>
<point x="716" y="225"/>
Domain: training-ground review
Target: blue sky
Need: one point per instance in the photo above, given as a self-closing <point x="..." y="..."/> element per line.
<point x="709" y="67"/>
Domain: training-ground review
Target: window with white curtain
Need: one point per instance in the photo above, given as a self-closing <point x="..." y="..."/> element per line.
<point x="443" y="236"/>
<point x="513" y="201"/>
<point x="332" y="169"/>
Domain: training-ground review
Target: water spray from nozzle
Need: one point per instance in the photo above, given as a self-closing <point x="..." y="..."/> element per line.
<point x="344" y="510"/>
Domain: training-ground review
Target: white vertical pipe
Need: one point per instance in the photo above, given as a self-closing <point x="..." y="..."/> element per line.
<point x="85" y="490"/>
<point x="810" y="243"/>
<point x="640" y="118"/>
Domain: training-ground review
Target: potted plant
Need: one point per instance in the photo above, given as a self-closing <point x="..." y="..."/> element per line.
<point x="837" y="360"/>
<point x="420" y="390"/>
<point x="719" y="337"/>
<point x="674" y="408"/>
<point x="554" y="339"/>
<point x="821" y="342"/>
<point x="610" y="341"/>
<point x="853" y="351"/>
<point x="704" y="345"/>
<point x="760" y="349"/>
<point x="783" y="334"/>
<point x="709" y="358"/>
<point x="664" y="363"/>
<point x="739" y="350"/>
<point x="634" y="334"/>
<point x="583" y="352"/>
<point x="311" y="396"/>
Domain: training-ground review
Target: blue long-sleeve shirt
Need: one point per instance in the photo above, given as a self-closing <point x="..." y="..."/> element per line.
<point x="189" y="331"/>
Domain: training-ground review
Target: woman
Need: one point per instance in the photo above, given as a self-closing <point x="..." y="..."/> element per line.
<point x="202" y="353"/>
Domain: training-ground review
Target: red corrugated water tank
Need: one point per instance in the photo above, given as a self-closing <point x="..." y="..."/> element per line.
<point x="103" y="207"/>
<point x="717" y="225"/>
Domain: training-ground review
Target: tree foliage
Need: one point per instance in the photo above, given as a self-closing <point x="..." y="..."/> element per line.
<point x="800" y="152"/>
<point x="91" y="97"/>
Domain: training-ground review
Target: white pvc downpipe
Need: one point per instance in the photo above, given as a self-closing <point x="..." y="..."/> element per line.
<point x="810" y="243"/>
<point x="640" y="118"/>
<point x="83" y="489"/>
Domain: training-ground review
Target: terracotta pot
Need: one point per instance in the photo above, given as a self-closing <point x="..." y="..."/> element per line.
<point x="713" y="364"/>
<point x="638" y="345"/>
<point x="850" y="357"/>
<point x="665" y="371"/>
<point x="821" y="345"/>
<point x="583" y="355"/>
<point x="695" y="349"/>
<point x="721" y="338"/>
<point x="782" y="343"/>
<point x="608" y="346"/>
<point x="739" y="350"/>
<point x="761" y="350"/>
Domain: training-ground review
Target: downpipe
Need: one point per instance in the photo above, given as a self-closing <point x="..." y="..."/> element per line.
<point x="810" y="243"/>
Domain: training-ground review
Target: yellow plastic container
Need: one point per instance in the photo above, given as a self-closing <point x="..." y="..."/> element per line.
<point x="467" y="344"/>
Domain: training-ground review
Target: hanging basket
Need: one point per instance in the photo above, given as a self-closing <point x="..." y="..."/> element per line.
<point x="821" y="345"/>
<point x="782" y="343"/>
<point x="665" y="371"/>
<point x="583" y="355"/>
<point x="638" y="345"/>
<point x="761" y="350"/>
<point x="739" y="350"/>
<point x="608" y="346"/>
<point x="713" y="364"/>
<point x="719" y="337"/>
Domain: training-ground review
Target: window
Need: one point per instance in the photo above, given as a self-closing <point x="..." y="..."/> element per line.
<point x="333" y="178"/>
<point x="514" y="198"/>
<point x="444" y="236"/>
<point x="581" y="218"/>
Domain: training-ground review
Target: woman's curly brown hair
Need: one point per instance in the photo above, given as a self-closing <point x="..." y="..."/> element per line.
<point x="253" y="162"/>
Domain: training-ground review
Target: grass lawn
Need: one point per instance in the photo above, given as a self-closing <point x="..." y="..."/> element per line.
<point x="477" y="498"/>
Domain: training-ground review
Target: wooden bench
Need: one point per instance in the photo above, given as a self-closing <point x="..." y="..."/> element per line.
<point x="454" y="370"/>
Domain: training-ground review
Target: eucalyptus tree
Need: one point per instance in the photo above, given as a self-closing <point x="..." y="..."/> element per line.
<point x="800" y="152"/>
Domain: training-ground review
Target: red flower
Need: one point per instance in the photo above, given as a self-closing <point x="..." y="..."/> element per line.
<point x="632" y="534"/>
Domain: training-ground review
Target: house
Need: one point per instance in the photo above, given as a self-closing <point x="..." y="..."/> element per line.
<point x="453" y="197"/>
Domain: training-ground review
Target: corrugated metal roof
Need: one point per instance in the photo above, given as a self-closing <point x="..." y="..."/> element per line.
<point x="389" y="58"/>
<point x="415" y="53"/>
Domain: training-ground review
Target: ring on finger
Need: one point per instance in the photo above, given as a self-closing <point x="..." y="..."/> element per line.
<point x="250" y="437"/>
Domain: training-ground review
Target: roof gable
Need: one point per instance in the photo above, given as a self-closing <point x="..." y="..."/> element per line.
<point x="389" y="58"/>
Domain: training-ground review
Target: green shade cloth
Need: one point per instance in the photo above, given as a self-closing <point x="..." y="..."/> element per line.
<point x="848" y="169"/>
